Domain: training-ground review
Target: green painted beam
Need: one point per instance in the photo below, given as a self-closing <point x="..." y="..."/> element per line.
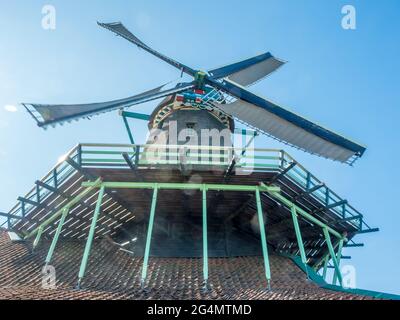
<point x="305" y="214"/>
<point x="263" y="237"/>
<point x="245" y="132"/>
<point x="107" y="152"/>
<point x="128" y="129"/>
<point x="181" y="186"/>
<point x="205" y="240"/>
<point x="70" y="204"/>
<point x="28" y="201"/>
<point x="298" y="235"/>
<point x="317" y="265"/>
<point x="368" y="230"/>
<point x="37" y="239"/>
<point x="135" y="115"/>
<point x="326" y="260"/>
<point x="149" y="234"/>
<point x="89" y="240"/>
<point x="56" y="235"/>
<point x="360" y="216"/>
<point x="10" y="216"/>
<point x="338" y="257"/>
<point x="353" y="245"/>
<point x="332" y="253"/>
<point x="272" y="190"/>
<point x="331" y="206"/>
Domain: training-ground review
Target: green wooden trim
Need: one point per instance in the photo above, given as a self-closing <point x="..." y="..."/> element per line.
<point x="188" y="153"/>
<point x="180" y="186"/>
<point x="339" y="256"/>
<point x="205" y="240"/>
<point x="128" y="129"/>
<point x="260" y="157"/>
<point x="135" y="115"/>
<point x="149" y="234"/>
<point x="298" y="235"/>
<point x="106" y="152"/>
<point x="90" y="236"/>
<point x="70" y="204"/>
<point x="38" y="237"/>
<point x="84" y="161"/>
<point x="263" y="237"/>
<point x="308" y="216"/>
<point x="10" y="216"/>
<point x="260" y="165"/>
<point x="56" y="235"/>
<point x="332" y="253"/>
<point x="156" y="162"/>
<point x="326" y="260"/>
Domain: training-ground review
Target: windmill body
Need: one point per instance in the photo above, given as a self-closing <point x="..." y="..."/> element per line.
<point x="192" y="115"/>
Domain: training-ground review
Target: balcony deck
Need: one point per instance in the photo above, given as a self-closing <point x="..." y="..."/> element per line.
<point x="124" y="208"/>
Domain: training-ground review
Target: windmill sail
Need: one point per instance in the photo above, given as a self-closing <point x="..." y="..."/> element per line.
<point x="231" y="80"/>
<point x="248" y="71"/>
<point x="287" y="126"/>
<point x="46" y="114"/>
<point x="119" y="29"/>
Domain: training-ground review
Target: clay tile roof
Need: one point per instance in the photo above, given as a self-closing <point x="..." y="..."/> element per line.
<point x="113" y="274"/>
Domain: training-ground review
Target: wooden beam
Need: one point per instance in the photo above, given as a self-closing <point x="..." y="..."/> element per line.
<point x="282" y="173"/>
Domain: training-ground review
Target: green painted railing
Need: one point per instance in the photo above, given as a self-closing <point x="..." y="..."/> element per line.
<point x="55" y="178"/>
<point x="152" y="156"/>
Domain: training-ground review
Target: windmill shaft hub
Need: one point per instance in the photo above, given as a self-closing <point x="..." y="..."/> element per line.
<point x="200" y="79"/>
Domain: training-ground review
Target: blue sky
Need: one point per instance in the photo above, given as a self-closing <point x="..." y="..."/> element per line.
<point x="347" y="80"/>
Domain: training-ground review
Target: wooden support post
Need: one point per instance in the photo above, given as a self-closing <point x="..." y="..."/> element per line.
<point x="37" y="239"/>
<point x="332" y="254"/>
<point x="137" y="154"/>
<point x="263" y="237"/>
<point x="298" y="235"/>
<point x="90" y="237"/>
<point x="205" y="241"/>
<point x="149" y="234"/>
<point x="326" y="260"/>
<point x="338" y="257"/>
<point x="56" y="235"/>
<point x="128" y="129"/>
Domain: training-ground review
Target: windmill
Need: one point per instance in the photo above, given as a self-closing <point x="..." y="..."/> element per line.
<point x="201" y="213"/>
<point x="218" y="93"/>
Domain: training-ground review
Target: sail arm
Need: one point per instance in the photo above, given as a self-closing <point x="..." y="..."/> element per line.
<point x="248" y="71"/>
<point x="287" y="126"/>
<point x="47" y="114"/>
<point x="119" y="29"/>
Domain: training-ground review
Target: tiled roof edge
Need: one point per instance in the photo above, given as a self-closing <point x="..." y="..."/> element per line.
<point x="323" y="284"/>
